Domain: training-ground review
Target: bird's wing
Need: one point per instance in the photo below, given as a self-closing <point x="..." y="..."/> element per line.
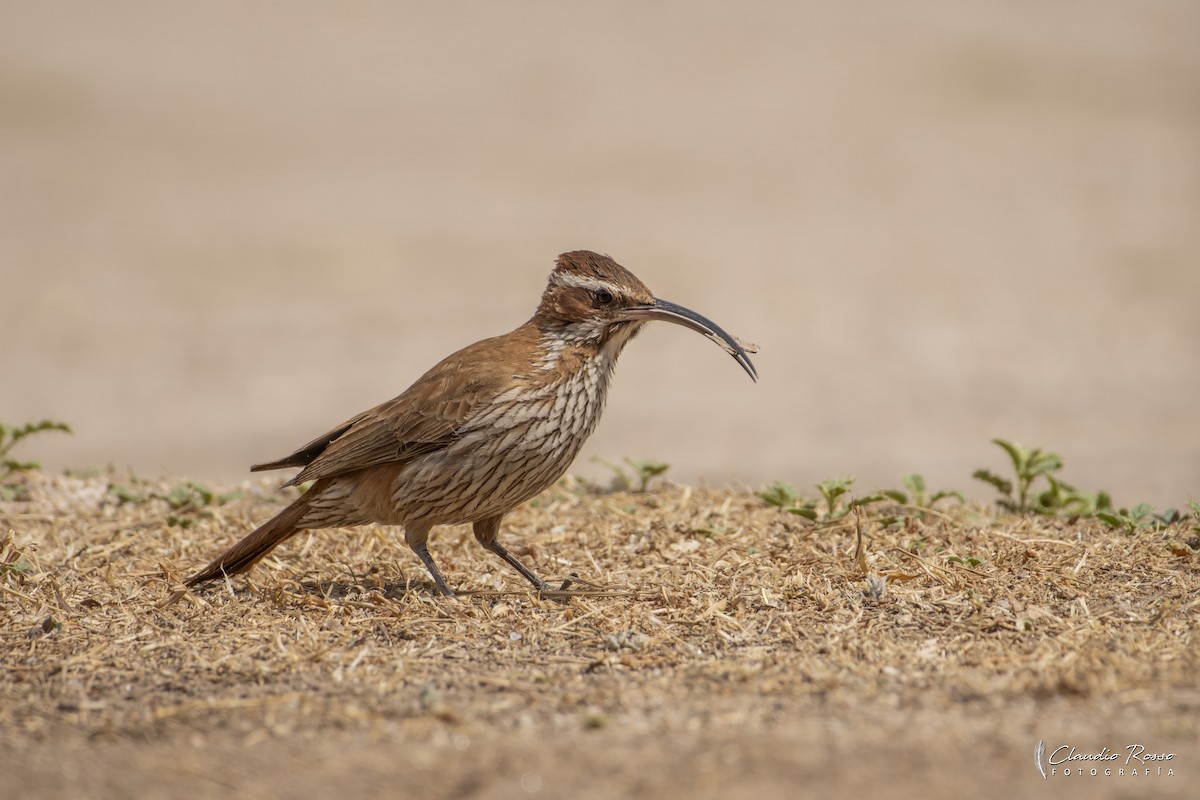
<point x="423" y="419"/>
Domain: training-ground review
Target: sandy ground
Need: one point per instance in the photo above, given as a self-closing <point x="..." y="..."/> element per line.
<point x="225" y="227"/>
<point x="714" y="647"/>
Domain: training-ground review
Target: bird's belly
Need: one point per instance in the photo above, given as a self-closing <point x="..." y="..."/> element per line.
<point x="510" y="453"/>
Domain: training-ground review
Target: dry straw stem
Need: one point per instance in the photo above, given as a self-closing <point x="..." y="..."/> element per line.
<point x="693" y="613"/>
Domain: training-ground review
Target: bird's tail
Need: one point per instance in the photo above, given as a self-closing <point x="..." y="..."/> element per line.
<point x="254" y="546"/>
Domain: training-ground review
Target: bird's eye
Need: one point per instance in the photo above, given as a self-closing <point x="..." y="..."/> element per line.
<point x="602" y="297"/>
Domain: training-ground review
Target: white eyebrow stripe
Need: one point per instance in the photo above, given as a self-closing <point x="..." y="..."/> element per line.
<point x="581" y="282"/>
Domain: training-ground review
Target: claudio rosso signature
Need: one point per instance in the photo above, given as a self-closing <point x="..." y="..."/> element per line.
<point x="1132" y="761"/>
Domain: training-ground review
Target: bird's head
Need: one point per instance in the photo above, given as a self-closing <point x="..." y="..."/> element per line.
<point x="592" y="300"/>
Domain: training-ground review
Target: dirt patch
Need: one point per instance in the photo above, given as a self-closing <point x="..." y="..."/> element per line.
<point x="716" y="647"/>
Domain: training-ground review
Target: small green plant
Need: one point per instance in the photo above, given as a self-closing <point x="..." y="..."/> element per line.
<point x="1063" y="498"/>
<point x="15" y="566"/>
<point x="1140" y="516"/>
<point x="918" y="494"/>
<point x="13" y="559"/>
<point x="1028" y="465"/>
<point x="126" y="495"/>
<point x="1022" y="497"/>
<point x="842" y="486"/>
<point x="833" y="491"/>
<point x="780" y="495"/>
<point x="187" y="502"/>
<point x="10" y="436"/>
<point x="1170" y="517"/>
<point x="784" y="497"/>
<point x="639" y="479"/>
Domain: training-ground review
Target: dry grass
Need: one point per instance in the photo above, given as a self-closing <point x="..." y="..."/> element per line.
<point x="714" y="646"/>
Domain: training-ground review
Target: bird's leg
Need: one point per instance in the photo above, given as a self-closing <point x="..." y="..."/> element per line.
<point x="416" y="536"/>
<point x="485" y="533"/>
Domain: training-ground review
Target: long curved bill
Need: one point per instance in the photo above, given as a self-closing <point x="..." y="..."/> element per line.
<point x="670" y="312"/>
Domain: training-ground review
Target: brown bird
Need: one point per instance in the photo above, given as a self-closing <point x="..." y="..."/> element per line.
<point x="488" y="428"/>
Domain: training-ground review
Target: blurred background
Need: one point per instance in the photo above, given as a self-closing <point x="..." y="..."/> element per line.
<point x="227" y="226"/>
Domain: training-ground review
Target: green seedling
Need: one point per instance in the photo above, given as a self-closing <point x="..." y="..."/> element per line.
<point x="12" y="558"/>
<point x="1140" y="516"/>
<point x="23" y="567"/>
<point x="1028" y="465"/>
<point x="126" y="495"/>
<point x="1063" y="498"/>
<point x="1170" y="517"/>
<point x="780" y="495"/>
<point x="918" y="495"/>
<point x="187" y="501"/>
<point x="639" y="479"/>
<point x="785" y="498"/>
<point x="10" y="436"/>
<point x="1022" y="497"/>
<point x="833" y="492"/>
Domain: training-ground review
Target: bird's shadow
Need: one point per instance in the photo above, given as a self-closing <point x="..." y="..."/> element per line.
<point x="343" y="589"/>
<point x="398" y="589"/>
<point x="372" y="587"/>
